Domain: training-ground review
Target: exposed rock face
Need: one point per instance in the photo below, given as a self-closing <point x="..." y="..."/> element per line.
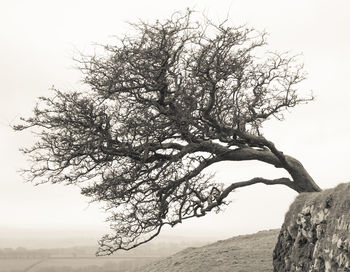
<point x="315" y="235"/>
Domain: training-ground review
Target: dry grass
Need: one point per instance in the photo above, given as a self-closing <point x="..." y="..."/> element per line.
<point x="246" y="253"/>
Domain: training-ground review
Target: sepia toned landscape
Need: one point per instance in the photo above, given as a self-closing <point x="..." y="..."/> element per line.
<point x="242" y="253"/>
<point x="174" y="136"/>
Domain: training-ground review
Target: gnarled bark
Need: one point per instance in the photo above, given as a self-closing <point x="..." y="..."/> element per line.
<point x="302" y="181"/>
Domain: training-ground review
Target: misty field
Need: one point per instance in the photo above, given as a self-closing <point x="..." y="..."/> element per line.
<point x="244" y="253"/>
<point x="85" y="264"/>
<point x="16" y="264"/>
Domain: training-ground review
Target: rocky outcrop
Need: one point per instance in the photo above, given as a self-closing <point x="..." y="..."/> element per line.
<point x="315" y="235"/>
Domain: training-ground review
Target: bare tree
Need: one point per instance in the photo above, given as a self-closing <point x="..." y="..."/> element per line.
<point x="163" y="105"/>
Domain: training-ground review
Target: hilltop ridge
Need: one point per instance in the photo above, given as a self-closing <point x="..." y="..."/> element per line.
<point x="244" y="253"/>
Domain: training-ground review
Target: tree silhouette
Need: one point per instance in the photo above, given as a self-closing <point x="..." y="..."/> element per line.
<point x="163" y="104"/>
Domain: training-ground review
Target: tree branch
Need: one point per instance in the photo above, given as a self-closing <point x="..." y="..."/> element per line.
<point x="233" y="186"/>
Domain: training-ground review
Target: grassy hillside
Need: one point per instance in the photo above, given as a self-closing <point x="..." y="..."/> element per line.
<point x="245" y="253"/>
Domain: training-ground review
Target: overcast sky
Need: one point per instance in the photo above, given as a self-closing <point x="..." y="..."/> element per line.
<point x="38" y="40"/>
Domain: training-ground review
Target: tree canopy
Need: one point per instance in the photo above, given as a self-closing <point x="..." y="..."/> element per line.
<point x="162" y="105"/>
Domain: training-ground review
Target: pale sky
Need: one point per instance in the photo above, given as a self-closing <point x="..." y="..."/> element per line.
<point x="38" y="40"/>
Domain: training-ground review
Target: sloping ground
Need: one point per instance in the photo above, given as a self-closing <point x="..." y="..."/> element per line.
<point x="245" y="253"/>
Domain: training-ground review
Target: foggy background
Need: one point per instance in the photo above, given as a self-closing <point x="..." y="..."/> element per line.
<point x="38" y="41"/>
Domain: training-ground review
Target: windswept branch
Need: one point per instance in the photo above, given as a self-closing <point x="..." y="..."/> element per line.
<point x="236" y="185"/>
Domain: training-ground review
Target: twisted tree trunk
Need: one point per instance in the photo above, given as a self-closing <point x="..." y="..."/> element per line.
<point x="301" y="178"/>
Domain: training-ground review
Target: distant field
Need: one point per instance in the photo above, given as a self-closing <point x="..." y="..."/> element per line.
<point x="244" y="253"/>
<point x="16" y="264"/>
<point x="37" y="265"/>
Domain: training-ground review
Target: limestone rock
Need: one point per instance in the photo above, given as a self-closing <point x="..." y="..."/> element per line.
<point x="316" y="233"/>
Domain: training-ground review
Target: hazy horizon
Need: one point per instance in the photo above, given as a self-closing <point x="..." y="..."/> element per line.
<point x="38" y="238"/>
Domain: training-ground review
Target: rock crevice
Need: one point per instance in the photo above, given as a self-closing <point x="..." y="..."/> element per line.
<point x="316" y="233"/>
